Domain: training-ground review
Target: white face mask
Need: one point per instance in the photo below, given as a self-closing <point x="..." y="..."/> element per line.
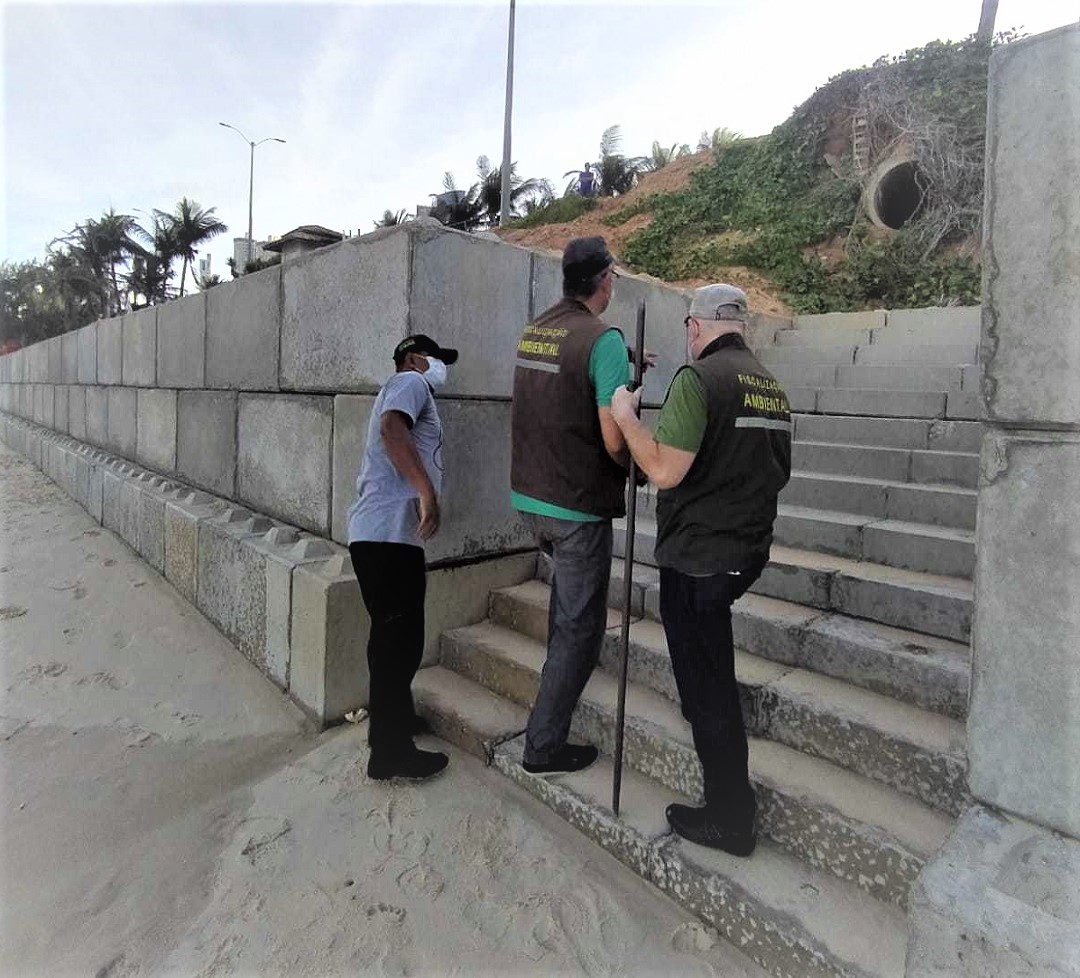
<point x="436" y="372"/>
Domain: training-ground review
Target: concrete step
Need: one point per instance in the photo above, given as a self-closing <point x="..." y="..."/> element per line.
<point x="930" y="604"/>
<point x="959" y="469"/>
<point x="788" y="917"/>
<point x="875" y="376"/>
<point x="911" y="546"/>
<point x="914" y="433"/>
<point x="934" y="604"/>
<point x="883" y="498"/>
<point x="466" y="713"/>
<point x="895" y="743"/>
<point x="892" y="353"/>
<point x="850" y="825"/>
<point x="923" y="670"/>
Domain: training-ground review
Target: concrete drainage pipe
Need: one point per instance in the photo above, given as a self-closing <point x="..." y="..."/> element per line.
<point x="895" y="192"/>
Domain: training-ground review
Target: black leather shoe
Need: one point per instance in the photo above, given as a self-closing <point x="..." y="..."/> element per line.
<point x="409" y="765"/>
<point x="695" y="825"/>
<point x="569" y="757"/>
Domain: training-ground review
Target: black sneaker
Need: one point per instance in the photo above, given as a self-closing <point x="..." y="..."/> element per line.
<point x="694" y="824"/>
<point x="569" y="757"/>
<point x="410" y="765"/>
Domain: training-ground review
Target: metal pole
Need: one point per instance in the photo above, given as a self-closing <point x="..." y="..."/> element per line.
<point x="628" y="576"/>
<point x="251" y="201"/>
<point x="504" y="194"/>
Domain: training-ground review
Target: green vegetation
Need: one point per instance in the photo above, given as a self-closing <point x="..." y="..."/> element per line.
<point x="766" y="202"/>
<point x="561" y="210"/>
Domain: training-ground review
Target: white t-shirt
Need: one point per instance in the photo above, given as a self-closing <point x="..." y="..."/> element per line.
<point x="386" y="508"/>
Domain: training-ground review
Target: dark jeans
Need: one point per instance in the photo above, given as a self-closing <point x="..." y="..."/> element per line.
<point x="696" y="612"/>
<point x="580" y="554"/>
<point x="392" y="583"/>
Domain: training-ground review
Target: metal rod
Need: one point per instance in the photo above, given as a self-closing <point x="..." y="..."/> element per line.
<point x="628" y="576"/>
<point x="504" y="193"/>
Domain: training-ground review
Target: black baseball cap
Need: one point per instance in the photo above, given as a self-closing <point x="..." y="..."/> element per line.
<point x="424" y="345"/>
<point x="585" y="257"/>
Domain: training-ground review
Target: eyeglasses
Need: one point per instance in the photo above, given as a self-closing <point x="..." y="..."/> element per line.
<point x="686" y="322"/>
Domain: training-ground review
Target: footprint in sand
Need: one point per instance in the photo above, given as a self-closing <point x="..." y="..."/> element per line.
<point x="101" y="679"/>
<point x="386" y="911"/>
<point x="11" y="611"/>
<point x="109" y="562"/>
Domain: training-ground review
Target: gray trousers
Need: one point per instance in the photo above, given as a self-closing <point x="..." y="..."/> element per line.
<point x="580" y="555"/>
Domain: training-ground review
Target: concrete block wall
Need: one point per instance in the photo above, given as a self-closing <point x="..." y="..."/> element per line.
<point x="259" y="390"/>
<point x="288" y="600"/>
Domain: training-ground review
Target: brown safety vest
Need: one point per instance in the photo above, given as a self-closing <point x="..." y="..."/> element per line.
<point x="557" y="450"/>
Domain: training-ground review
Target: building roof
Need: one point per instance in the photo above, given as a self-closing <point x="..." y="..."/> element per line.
<point x="311" y="233"/>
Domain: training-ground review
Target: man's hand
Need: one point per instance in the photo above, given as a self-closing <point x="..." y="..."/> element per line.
<point x="649" y="361"/>
<point x="428" y="508"/>
<point x="625" y="404"/>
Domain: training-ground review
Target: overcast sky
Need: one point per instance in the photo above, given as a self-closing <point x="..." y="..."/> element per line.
<point x="119" y="105"/>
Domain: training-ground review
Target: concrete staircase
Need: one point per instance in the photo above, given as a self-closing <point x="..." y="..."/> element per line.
<point x="852" y="659"/>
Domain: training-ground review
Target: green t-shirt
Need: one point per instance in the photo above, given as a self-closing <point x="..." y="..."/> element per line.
<point x="684" y="414"/>
<point x="609" y="368"/>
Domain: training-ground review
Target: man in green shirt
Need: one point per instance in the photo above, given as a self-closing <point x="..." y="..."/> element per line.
<point x="720" y="456"/>
<point x="568" y="479"/>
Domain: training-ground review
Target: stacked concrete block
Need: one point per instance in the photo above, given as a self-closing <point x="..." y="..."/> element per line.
<point x="476" y="516"/>
<point x="155" y="439"/>
<point x="122" y="420"/>
<point x="60" y="408"/>
<point x="206" y="440"/>
<point x="283" y="457"/>
<point x="87" y="339"/>
<point x="243" y="325"/>
<point x="352" y="412"/>
<point x="344" y="310"/>
<point x="1000" y="899"/>
<point x="182" y="516"/>
<point x="328" y="673"/>
<point x="140" y="348"/>
<point x="69" y="358"/>
<point x="181" y="342"/>
<point x="231" y="579"/>
<point x="110" y="350"/>
<point x="77" y="412"/>
<point x="55" y="362"/>
<point x="471" y="294"/>
<point x="285" y="549"/>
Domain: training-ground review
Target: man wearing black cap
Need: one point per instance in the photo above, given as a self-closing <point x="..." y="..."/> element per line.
<point x="568" y="479"/>
<point x="396" y="510"/>
<point x="720" y="456"/>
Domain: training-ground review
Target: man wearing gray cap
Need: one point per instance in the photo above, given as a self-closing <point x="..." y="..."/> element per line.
<point x="720" y="456"/>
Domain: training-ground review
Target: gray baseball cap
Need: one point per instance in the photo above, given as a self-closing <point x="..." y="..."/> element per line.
<point x="719" y="301"/>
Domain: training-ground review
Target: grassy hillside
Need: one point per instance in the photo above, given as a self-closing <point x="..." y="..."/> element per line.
<point x="789" y="205"/>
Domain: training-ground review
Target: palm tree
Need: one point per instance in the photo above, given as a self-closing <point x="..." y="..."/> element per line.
<point x="461" y="209"/>
<point x="490" y="190"/>
<point x="190" y="226"/>
<point x="152" y="266"/>
<point x="392" y="219"/>
<point x="87" y="264"/>
<point x="660" y="157"/>
<point x="114" y="236"/>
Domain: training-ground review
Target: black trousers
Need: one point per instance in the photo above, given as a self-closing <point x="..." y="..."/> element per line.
<point x="393" y="581"/>
<point x="696" y="612"/>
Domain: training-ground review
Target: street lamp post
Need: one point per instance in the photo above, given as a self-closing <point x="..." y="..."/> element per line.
<point x="251" y="182"/>
<point x="504" y="205"/>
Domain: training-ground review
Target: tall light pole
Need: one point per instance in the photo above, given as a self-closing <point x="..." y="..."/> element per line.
<point x="251" y="182"/>
<point x="504" y="205"/>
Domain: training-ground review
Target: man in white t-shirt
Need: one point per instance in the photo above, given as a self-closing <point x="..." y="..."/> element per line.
<point x="396" y="510"/>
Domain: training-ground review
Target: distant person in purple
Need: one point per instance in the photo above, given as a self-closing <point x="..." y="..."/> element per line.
<point x="586" y="181"/>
